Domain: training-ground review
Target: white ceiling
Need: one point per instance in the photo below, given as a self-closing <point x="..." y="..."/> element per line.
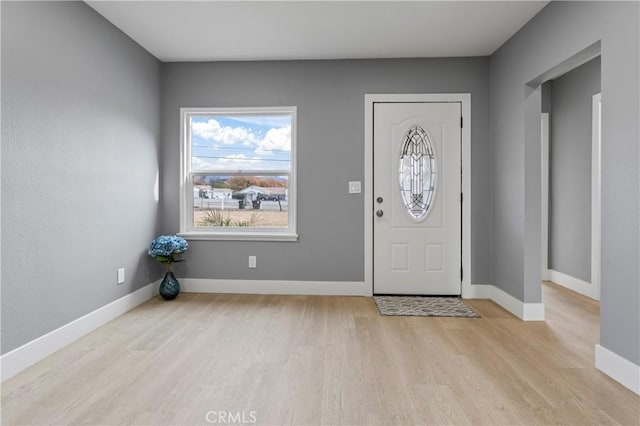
<point x="275" y="30"/>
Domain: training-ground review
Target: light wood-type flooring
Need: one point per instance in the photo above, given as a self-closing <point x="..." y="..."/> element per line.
<point x="205" y="359"/>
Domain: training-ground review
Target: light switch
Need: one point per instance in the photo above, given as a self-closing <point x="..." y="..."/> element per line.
<point x="354" y="187"/>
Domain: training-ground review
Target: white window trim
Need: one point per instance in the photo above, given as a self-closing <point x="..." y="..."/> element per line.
<point x="186" y="193"/>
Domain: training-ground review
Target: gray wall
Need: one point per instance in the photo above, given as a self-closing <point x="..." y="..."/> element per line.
<point x="558" y="32"/>
<point x="546" y="96"/>
<point x="570" y="170"/>
<point x="330" y="100"/>
<point x="80" y="134"/>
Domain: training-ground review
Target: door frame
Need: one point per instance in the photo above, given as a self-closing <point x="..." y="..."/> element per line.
<point x="465" y="100"/>
<point x="544" y="193"/>
<point x="596" y="192"/>
<point x="589" y="289"/>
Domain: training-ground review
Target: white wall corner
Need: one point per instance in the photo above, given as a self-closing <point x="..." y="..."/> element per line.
<point x="309" y="288"/>
<point x="28" y="354"/>
<point x="524" y="311"/>
<point x="618" y="368"/>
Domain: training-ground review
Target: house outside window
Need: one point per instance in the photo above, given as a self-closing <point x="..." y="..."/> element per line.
<point x="238" y="173"/>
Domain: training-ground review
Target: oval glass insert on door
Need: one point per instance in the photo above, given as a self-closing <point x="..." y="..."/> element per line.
<point x="417" y="173"/>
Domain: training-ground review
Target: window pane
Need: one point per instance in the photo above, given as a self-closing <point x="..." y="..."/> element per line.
<point x="240" y="201"/>
<point x="241" y="142"/>
<point x="417" y="173"/>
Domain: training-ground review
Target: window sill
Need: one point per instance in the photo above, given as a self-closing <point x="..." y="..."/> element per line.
<point x="209" y="236"/>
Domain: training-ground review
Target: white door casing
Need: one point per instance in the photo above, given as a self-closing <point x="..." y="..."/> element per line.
<point x="468" y="290"/>
<point x="423" y="255"/>
<point x="544" y="203"/>
<point x="589" y="289"/>
<point x="596" y="194"/>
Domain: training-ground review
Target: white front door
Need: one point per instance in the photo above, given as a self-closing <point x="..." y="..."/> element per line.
<point x="417" y="198"/>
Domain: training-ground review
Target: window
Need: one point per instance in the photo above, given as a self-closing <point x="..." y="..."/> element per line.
<point x="417" y="173"/>
<point x="238" y="173"/>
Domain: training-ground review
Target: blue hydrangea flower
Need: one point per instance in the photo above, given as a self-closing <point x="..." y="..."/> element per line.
<point x="165" y="246"/>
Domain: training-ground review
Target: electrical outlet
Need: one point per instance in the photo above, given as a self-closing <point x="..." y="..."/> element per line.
<point x="354" y="187"/>
<point x="252" y="261"/>
<point x="120" y="275"/>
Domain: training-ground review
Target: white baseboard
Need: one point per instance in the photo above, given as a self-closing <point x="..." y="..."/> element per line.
<point x="532" y="312"/>
<point x="312" y="288"/>
<point x="524" y="311"/>
<point x="28" y="354"/>
<point x="477" y="291"/>
<point x="618" y="368"/>
<point x="572" y="283"/>
<point x="545" y="275"/>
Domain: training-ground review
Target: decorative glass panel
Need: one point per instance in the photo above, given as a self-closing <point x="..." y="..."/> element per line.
<point x="417" y="173"/>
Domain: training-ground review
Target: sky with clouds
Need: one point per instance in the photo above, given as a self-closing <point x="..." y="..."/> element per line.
<point x="241" y="142"/>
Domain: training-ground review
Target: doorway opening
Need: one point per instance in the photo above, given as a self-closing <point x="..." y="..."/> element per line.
<point x="570" y="179"/>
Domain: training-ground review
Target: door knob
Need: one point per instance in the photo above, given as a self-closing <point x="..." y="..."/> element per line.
<point x="379" y="200"/>
<point x="379" y="213"/>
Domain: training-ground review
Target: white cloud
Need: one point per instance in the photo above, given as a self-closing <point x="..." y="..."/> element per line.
<point x="258" y="147"/>
<point x="275" y="139"/>
<point x="198" y="164"/>
<point x="227" y="135"/>
<point x="231" y="162"/>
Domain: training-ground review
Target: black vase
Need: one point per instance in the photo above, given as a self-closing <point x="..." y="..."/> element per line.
<point x="169" y="287"/>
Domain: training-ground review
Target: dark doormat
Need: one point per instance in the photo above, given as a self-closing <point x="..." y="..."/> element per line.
<point x="423" y="306"/>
